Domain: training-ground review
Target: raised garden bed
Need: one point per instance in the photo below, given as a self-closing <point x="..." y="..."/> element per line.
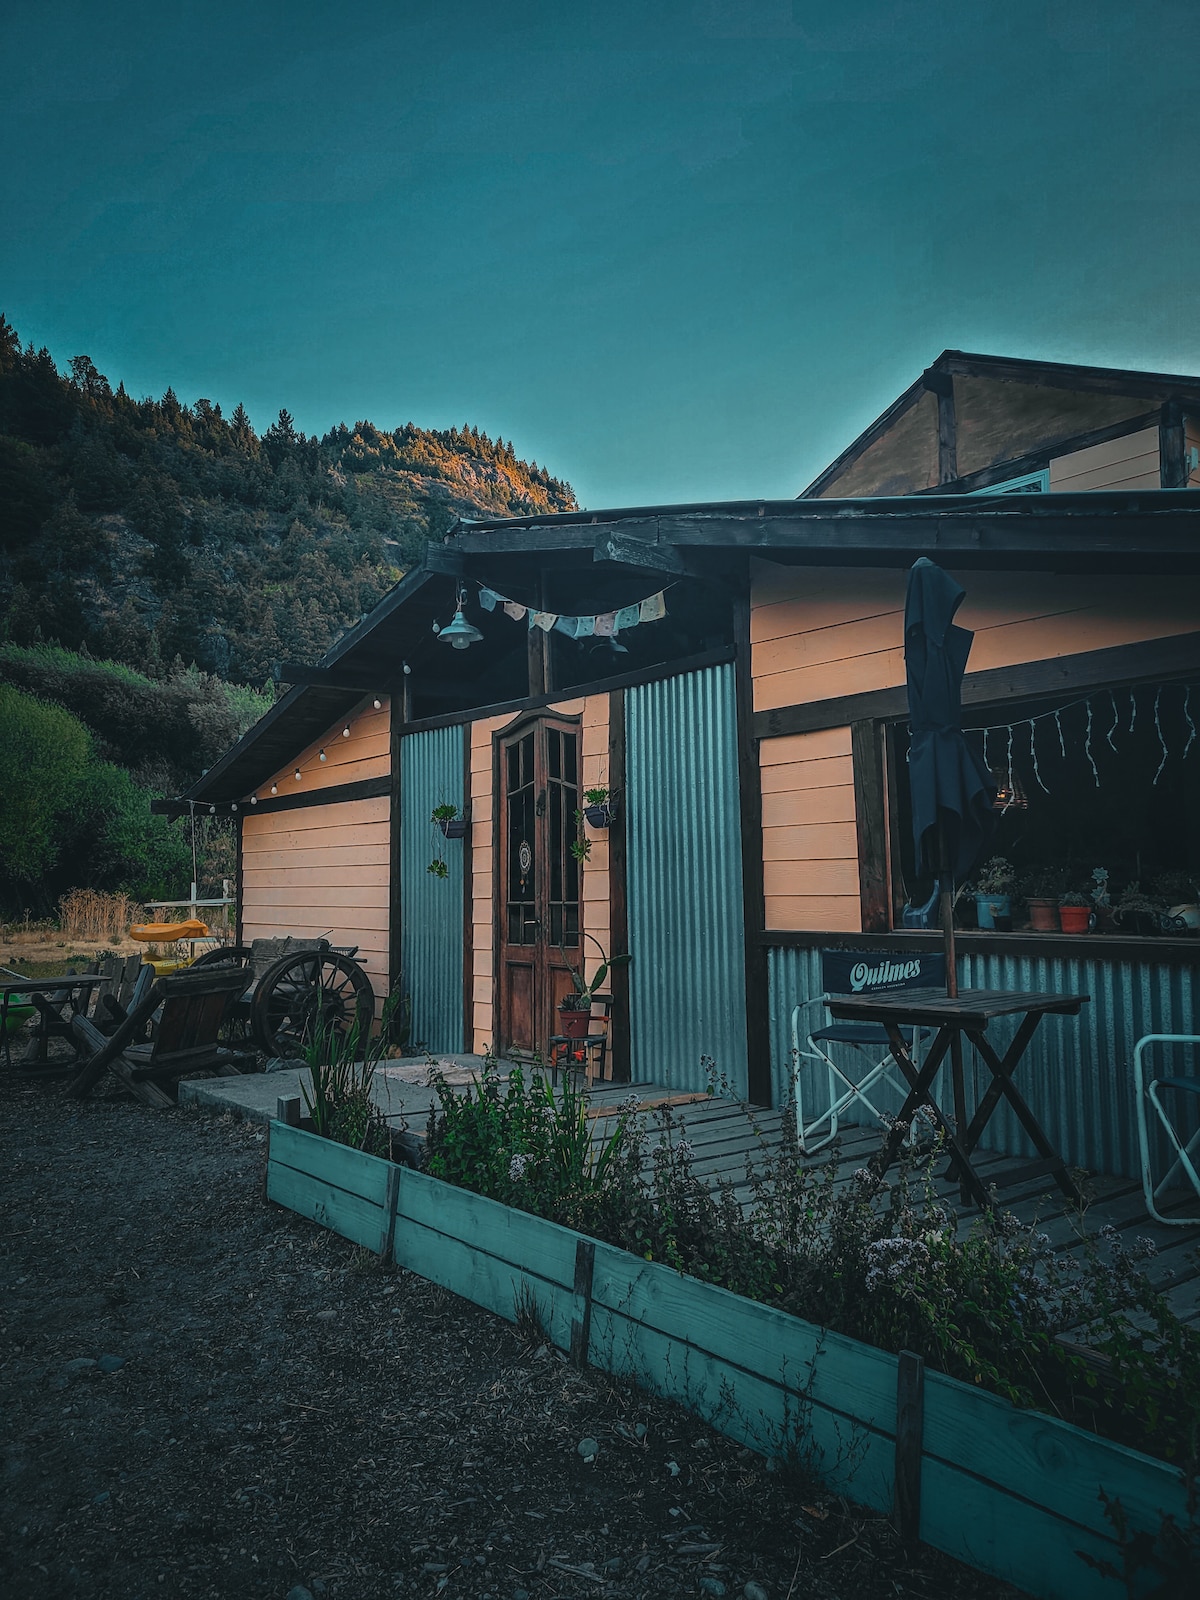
<point x="1013" y="1493"/>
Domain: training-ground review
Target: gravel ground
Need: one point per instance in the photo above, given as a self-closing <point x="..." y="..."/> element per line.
<point x="206" y="1396"/>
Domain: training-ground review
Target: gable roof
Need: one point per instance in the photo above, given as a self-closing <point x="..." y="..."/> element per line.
<point x="1101" y="396"/>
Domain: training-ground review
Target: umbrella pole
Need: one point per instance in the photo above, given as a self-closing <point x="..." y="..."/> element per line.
<point x="956" y="1056"/>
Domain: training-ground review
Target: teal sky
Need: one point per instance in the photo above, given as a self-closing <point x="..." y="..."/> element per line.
<point x="673" y="251"/>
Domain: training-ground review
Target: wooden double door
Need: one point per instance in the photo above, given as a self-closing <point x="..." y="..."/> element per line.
<point x="539" y="882"/>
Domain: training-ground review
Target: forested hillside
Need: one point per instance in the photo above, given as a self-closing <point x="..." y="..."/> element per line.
<point x="155" y="559"/>
<point x="146" y="530"/>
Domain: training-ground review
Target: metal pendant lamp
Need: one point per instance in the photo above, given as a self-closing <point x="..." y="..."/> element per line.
<point x="459" y="633"/>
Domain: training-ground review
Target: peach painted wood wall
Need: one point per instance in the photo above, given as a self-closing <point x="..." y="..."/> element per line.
<point x="820" y="633"/>
<point x="323" y="870"/>
<point x="1128" y="463"/>
<point x="594" y="713"/>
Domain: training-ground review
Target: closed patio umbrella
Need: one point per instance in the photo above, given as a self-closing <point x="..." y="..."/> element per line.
<point x="952" y="791"/>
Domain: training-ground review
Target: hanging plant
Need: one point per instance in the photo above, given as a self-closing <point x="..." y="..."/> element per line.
<point x="446" y="818"/>
<point x="599" y="811"/>
<point x="449" y="825"/>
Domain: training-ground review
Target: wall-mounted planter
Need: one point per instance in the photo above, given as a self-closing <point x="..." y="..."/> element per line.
<point x="1014" y="1493"/>
<point x="453" y="827"/>
<point x="600" y="816"/>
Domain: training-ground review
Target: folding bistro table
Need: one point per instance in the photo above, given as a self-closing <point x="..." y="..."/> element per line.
<point x="966" y="1013"/>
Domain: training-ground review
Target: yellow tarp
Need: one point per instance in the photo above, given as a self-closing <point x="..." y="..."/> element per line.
<point x="166" y="932"/>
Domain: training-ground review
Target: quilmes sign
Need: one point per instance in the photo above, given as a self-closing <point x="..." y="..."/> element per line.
<point x="878" y="971"/>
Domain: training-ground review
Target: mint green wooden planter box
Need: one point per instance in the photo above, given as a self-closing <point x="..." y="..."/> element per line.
<point x="1014" y="1493"/>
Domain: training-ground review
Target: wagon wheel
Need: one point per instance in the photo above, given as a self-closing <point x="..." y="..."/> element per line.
<point x="235" y="1030"/>
<point x="305" y="991"/>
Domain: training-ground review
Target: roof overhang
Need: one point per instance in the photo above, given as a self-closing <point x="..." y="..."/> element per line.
<point x="1156" y="531"/>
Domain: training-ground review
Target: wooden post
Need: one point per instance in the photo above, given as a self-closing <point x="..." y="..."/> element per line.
<point x="391" y="1199"/>
<point x="581" y="1326"/>
<point x="910" y="1423"/>
<point x="287" y="1109"/>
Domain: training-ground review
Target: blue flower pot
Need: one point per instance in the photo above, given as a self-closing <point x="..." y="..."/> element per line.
<point x="991" y="906"/>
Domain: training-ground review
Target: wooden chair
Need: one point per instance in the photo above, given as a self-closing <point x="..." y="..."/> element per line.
<point x="586" y="1055"/>
<point x="185" y="1038"/>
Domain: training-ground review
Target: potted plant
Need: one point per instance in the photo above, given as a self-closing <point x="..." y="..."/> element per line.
<point x="1139" y="913"/>
<point x="993" y="891"/>
<point x="575" y="1009"/>
<point x="599" y="807"/>
<point x="446" y="817"/>
<point x="1075" y="912"/>
<point x="1179" y="891"/>
<point x="599" y="811"/>
<point x="1042" y="888"/>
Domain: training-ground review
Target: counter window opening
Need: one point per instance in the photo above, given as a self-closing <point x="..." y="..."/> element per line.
<point x="1100" y="781"/>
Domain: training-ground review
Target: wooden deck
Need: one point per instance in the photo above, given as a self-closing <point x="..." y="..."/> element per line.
<point x="725" y="1135"/>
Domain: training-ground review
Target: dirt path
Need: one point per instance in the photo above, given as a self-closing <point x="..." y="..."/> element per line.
<point x="286" y="1417"/>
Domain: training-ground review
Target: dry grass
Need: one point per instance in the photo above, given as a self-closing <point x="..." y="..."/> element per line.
<point x="88" y="916"/>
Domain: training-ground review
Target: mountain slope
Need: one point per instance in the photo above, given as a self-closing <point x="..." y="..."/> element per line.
<point x="148" y="530"/>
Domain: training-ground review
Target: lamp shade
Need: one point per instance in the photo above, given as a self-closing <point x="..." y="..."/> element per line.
<point x="459" y="633"/>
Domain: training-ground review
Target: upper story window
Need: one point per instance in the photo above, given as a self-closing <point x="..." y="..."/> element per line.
<point x="1027" y="483"/>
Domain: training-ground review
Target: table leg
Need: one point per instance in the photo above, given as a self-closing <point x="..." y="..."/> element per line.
<point x="1002" y="1085"/>
<point x="919" y="1096"/>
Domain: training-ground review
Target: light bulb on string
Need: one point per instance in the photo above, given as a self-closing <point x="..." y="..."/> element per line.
<point x="212" y="811"/>
<point x="296" y="774"/>
<point x="346" y="731"/>
<point x="274" y="788"/>
<point x="233" y="805"/>
<point x="321" y="756"/>
<point x="253" y="799"/>
<point x="377" y="703"/>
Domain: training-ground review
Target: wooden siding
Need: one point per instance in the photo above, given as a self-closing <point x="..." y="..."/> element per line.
<point x="365" y="754"/>
<point x="810" y="842"/>
<point x="996" y="420"/>
<point x="817" y="634"/>
<point x="1191" y="441"/>
<point x="321" y="871"/>
<point x="900" y="461"/>
<point x="483" y="961"/>
<point x="820" y="633"/>
<point x="1128" y="463"/>
<point x="594" y="714"/>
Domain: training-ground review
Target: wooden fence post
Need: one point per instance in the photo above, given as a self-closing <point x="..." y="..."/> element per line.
<point x="287" y="1109"/>
<point x="910" y="1425"/>
<point x="581" y="1326"/>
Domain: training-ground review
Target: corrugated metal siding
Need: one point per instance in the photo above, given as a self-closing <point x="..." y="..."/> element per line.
<point x="1077" y="1074"/>
<point x="687" y="991"/>
<point x="431" y="909"/>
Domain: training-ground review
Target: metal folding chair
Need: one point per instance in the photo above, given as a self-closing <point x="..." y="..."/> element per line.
<point x="856" y="1056"/>
<point x="1174" y="1114"/>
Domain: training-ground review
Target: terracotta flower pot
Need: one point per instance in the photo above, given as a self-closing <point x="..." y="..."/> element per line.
<point x="1075" y="919"/>
<point x="1043" y="915"/>
<point x="575" y="1024"/>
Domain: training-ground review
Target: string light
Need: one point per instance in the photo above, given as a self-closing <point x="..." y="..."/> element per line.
<point x="233" y="805"/>
<point x="212" y="811"/>
<point x="1087" y="744"/>
<point x="346" y="731"/>
<point x="1159" y="731"/>
<point x="1009" y="789"/>
<point x="253" y="799"/>
<point x="377" y="703"/>
<point x="297" y="774"/>
<point x="321" y="756"/>
<point x="274" y="788"/>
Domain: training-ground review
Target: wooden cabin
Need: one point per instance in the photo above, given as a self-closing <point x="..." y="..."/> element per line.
<point x="753" y="736"/>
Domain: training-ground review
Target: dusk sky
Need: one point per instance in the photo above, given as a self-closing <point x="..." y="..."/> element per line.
<point x="673" y="251"/>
